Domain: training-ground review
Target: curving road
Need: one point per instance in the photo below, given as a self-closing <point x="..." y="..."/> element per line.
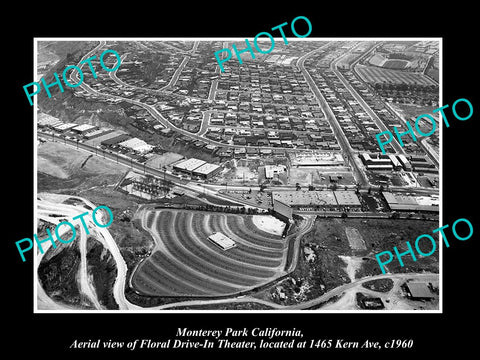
<point x="50" y="204"/>
<point x="154" y="112"/>
<point x="308" y="304"/>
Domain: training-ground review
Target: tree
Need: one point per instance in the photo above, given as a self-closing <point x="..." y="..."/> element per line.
<point x="357" y="188"/>
<point x="297" y="186"/>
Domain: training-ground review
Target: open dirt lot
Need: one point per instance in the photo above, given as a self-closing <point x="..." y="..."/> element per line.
<point x="61" y="167"/>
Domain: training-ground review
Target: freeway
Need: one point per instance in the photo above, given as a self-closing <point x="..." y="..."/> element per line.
<point x="360" y="176"/>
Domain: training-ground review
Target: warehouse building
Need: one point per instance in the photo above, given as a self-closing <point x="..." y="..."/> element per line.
<point x="84" y="129"/>
<point x="188" y="165"/>
<point x="328" y="199"/>
<point x="419" y="291"/>
<point x="207" y="171"/>
<point x="197" y="167"/>
<point x="64" y="127"/>
<point x="347" y="198"/>
<point x="316" y="158"/>
<point x="45" y="120"/>
<point x="401" y="202"/>
<point x="115" y="140"/>
<point x="97" y="133"/>
<point x="136" y="144"/>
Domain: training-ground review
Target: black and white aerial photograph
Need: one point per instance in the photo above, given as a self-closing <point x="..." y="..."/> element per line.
<point x="255" y="186"/>
<point x="215" y="179"/>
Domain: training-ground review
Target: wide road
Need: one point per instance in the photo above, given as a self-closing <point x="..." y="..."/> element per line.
<point x="360" y="176"/>
<point x="50" y="204"/>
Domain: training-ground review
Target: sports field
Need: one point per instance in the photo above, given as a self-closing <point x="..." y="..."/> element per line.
<point x="185" y="263"/>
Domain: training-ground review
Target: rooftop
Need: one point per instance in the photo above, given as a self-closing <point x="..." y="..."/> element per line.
<point x="189" y="164"/>
<point x="206" y="168"/>
<point x="419" y="290"/>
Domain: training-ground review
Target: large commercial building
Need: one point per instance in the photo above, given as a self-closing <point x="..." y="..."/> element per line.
<point x="419" y="291"/>
<point x="378" y="162"/>
<point x="84" y="129"/>
<point x="328" y="199"/>
<point x="316" y="158"/>
<point x="207" y="170"/>
<point x="372" y="162"/>
<point x="347" y="198"/>
<point x="188" y="165"/>
<point x="65" y="127"/>
<point x="45" y="120"/>
<point x="197" y="167"/>
<point x="136" y="144"/>
<point x="401" y="202"/>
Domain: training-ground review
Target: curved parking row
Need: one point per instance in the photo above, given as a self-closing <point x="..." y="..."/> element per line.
<point x="150" y="218"/>
<point x="155" y="280"/>
<point x="237" y="256"/>
<point x="239" y="225"/>
<point x="186" y="279"/>
<point x="240" y="252"/>
<point x="191" y="265"/>
<point x="197" y="256"/>
<point x="236" y="231"/>
<point x="215" y="224"/>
